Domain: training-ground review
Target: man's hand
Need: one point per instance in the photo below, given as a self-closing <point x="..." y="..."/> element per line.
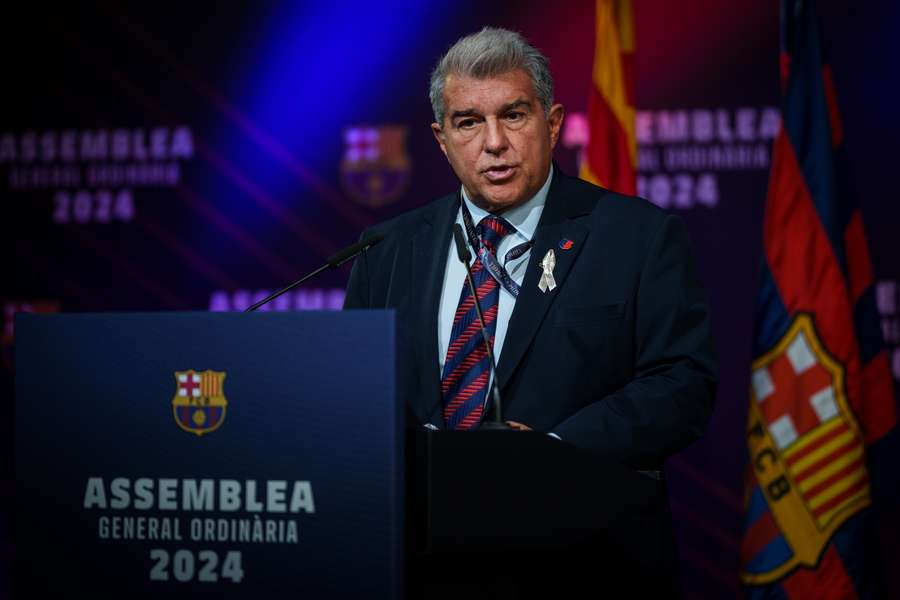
<point x="518" y="426"/>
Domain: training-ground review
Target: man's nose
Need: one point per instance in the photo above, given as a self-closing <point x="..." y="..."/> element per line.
<point x="496" y="141"/>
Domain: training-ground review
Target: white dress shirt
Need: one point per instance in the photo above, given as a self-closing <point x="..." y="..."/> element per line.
<point x="525" y="219"/>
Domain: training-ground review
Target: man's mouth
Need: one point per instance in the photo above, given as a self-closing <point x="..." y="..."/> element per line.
<point x="498" y="173"/>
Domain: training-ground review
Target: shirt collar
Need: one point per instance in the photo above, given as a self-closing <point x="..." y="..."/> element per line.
<point x="524" y="217"/>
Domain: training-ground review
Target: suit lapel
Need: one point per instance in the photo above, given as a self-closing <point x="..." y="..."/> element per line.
<point x="557" y="224"/>
<point x="429" y="260"/>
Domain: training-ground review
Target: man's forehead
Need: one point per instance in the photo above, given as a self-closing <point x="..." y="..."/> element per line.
<point x="464" y="92"/>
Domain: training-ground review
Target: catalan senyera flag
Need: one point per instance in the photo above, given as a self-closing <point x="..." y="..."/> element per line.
<point x="821" y="396"/>
<point x="610" y="156"/>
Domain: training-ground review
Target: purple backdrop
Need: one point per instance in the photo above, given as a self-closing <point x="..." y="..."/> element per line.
<point x="174" y="157"/>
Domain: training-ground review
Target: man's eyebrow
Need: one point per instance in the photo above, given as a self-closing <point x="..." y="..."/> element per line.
<point x="517" y="104"/>
<point x="469" y="112"/>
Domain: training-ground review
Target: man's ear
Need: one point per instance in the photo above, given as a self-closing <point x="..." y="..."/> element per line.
<point x="554" y="120"/>
<point x="439" y="137"/>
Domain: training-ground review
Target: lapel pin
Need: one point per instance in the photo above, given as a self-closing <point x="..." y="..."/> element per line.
<point x="566" y="244"/>
<point x="547" y="283"/>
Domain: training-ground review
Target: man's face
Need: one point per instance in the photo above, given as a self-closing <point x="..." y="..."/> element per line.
<point x="497" y="137"/>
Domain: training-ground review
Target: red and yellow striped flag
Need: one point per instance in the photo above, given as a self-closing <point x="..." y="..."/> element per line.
<point x="610" y="157"/>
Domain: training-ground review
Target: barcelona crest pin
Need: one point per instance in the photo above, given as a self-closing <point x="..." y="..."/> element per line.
<point x="199" y="404"/>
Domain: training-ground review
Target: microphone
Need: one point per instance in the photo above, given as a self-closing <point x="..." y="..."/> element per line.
<point x="332" y="262"/>
<point x="462" y="251"/>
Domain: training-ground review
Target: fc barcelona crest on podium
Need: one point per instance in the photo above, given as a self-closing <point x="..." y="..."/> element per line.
<point x="199" y="404"/>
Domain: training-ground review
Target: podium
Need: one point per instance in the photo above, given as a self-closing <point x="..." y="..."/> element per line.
<point x="207" y="455"/>
<point x="230" y="455"/>
<point x="511" y="514"/>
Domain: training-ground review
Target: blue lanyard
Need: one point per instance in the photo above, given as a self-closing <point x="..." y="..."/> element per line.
<point x="488" y="259"/>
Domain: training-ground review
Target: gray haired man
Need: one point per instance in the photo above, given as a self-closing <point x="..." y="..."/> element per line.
<point x="596" y="316"/>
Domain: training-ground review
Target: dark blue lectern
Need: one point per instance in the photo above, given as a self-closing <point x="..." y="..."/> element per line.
<point x="208" y="455"/>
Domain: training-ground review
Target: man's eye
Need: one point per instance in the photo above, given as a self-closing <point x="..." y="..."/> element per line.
<point x="515" y="116"/>
<point x="466" y="124"/>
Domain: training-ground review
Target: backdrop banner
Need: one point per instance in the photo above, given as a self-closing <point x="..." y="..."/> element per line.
<point x="167" y="156"/>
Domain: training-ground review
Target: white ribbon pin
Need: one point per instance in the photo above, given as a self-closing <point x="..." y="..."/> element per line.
<point x="547" y="283"/>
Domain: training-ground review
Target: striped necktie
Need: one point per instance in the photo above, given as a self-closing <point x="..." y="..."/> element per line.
<point x="464" y="381"/>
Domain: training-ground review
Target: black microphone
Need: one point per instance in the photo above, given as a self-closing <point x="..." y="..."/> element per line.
<point x="462" y="251"/>
<point x="332" y="262"/>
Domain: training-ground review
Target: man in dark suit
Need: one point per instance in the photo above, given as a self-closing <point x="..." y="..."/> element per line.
<point x="598" y="321"/>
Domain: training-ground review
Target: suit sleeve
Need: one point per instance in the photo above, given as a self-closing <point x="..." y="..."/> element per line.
<point x="357" y="294"/>
<point x="669" y="400"/>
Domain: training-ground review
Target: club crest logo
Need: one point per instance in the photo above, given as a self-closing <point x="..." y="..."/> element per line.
<point x="199" y="404"/>
<point x="375" y="168"/>
<point x="807" y="454"/>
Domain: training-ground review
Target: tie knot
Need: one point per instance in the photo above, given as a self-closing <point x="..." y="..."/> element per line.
<point x="491" y="230"/>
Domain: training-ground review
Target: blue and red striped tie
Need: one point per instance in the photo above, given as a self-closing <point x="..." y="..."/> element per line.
<point x="464" y="381"/>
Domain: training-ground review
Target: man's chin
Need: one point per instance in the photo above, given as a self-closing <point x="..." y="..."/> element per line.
<point x="502" y="199"/>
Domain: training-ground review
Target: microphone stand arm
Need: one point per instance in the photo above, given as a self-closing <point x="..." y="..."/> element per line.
<point x="287" y="288"/>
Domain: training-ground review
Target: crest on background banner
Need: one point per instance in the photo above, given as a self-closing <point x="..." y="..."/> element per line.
<point x="375" y="168"/>
<point x="806" y="450"/>
<point x="199" y="404"/>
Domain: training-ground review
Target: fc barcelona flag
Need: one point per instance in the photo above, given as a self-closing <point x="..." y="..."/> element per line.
<point x="821" y="396"/>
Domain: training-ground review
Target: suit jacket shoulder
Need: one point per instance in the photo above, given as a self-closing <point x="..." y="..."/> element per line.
<point x="599" y="201"/>
<point x="632" y="222"/>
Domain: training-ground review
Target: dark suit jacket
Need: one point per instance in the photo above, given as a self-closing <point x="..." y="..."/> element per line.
<point x="617" y="359"/>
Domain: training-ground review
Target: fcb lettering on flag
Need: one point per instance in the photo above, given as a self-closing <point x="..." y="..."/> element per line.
<point x="610" y="156"/>
<point x="821" y="394"/>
